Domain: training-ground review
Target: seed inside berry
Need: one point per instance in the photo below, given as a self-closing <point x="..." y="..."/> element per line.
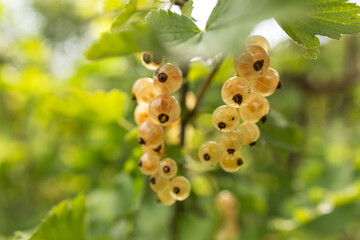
<point x="163" y="118"/>
<point x="252" y="144"/>
<point x="162" y="77"/>
<point x="176" y="190"/>
<point x="147" y="58"/>
<point x="258" y="65"/>
<point x="141" y="141"/>
<point x="153" y="180"/>
<point x="166" y="169"/>
<point x="231" y="151"/>
<point x="158" y="149"/>
<point x="157" y="59"/>
<point x="140" y="163"/>
<point x="240" y="162"/>
<point x="263" y="119"/>
<point x="206" y="157"/>
<point x="221" y="125"/>
<point x="237" y="98"/>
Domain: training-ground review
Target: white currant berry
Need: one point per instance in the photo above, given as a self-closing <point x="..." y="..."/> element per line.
<point x="143" y="90"/>
<point x="225" y="118"/>
<point x="164" y="110"/>
<point x="167" y="78"/>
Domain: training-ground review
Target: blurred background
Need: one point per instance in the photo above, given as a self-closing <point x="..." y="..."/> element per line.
<point x="66" y="127"/>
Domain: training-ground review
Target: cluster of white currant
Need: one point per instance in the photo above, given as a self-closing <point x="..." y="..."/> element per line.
<point x="227" y="204"/>
<point x="157" y="109"/>
<point x="244" y="96"/>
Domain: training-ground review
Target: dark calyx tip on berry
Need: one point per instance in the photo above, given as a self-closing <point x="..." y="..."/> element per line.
<point x="133" y="97"/>
<point x="140" y="163"/>
<point x="279" y="85"/>
<point x="158" y="200"/>
<point x="163" y="118"/>
<point x="239" y="162"/>
<point x="176" y="190"/>
<point x="258" y="65"/>
<point x="141" y="141"/>
<point x="231" y="151"/>
<point x="221" y="125"/>
<point x="147" y="58"/>
<point x="237" y="98"/>
<point x="252" y="144"/>
<point x="158" y="149"/>
<point x="153" y="180"/>
<point x="263" y="119"/>
<point x="157" y="59"/>
<point x="162" y="77"/>
<point x="206" y="157"/>
<point x="166" y="169"/>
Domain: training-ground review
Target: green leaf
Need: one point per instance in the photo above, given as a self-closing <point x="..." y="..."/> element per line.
<point x="186" y="10"/>
<point x="325" y="18"/>
<point x="64" y="221"/>
<point x="138" y="39"/>
<point x="172" y="27"/>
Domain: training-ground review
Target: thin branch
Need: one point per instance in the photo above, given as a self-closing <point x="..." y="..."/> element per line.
<point x="203" y="89"/>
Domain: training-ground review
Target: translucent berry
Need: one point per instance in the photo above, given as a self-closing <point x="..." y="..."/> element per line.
<point x="259" y="40"/>
<point x="164" y="110"/>
<point x="168" y="168"/>
<point x="230" y="142"/>
<point x="168" y="78"/>
<point x="225" y="118"/>
<point x="226" y="202"/>
<point x="143" y="90"/>
<point x="210" y="153"/>
<point x="158" y="150"/>
<point x="249" y="132"/>
<point x="235" y="91"/>
<point x="150" y="134"/>
<point x="141" y="113"/>
<point x="231" y="162"/>
<point x="255" y="109"/>
<point x="166" y="198"/>
<point x="253" y="62"/>
<point x="267" y="83"/>
<point x="158" y="183"/>
<point x="180" y="188"/>
<point x="149" y="163"/>
<point x="152" y="61"/>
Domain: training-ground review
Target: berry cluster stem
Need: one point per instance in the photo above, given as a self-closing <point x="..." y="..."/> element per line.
<point x="203" y="89"/>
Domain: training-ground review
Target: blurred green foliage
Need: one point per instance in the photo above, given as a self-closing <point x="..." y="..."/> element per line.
<point x="66" y="127"/>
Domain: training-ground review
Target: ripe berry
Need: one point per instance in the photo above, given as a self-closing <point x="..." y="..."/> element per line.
<point x="259" y="40"/>
<point x="167" y="168"/>
<point x="231" y="163"/>
<point x="149" y="163"/>
<point x="226" y="202"/>
<point x="225" y="118"/>
<point x="235" y="91"/>
<point x="210" y="153"/>
<point x="253" y="62"/>
<point x="167" y="78"/>
<point x="249" y="133"/>
<point x="158" y="183"/>
<point x="152" y="61"/>
<point x="150" y="134"/>
<point x="159" y="150"/>
<point x="164" y="110"/>
<point x="267" y="83"/>
<point x="255" y="109"/>
<point x="143" y="90"/>
<point x="230" y="142"/>
<point x="165" y="197"/>
<point x="180" y="188"/>
<point x="141" y="113"/>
